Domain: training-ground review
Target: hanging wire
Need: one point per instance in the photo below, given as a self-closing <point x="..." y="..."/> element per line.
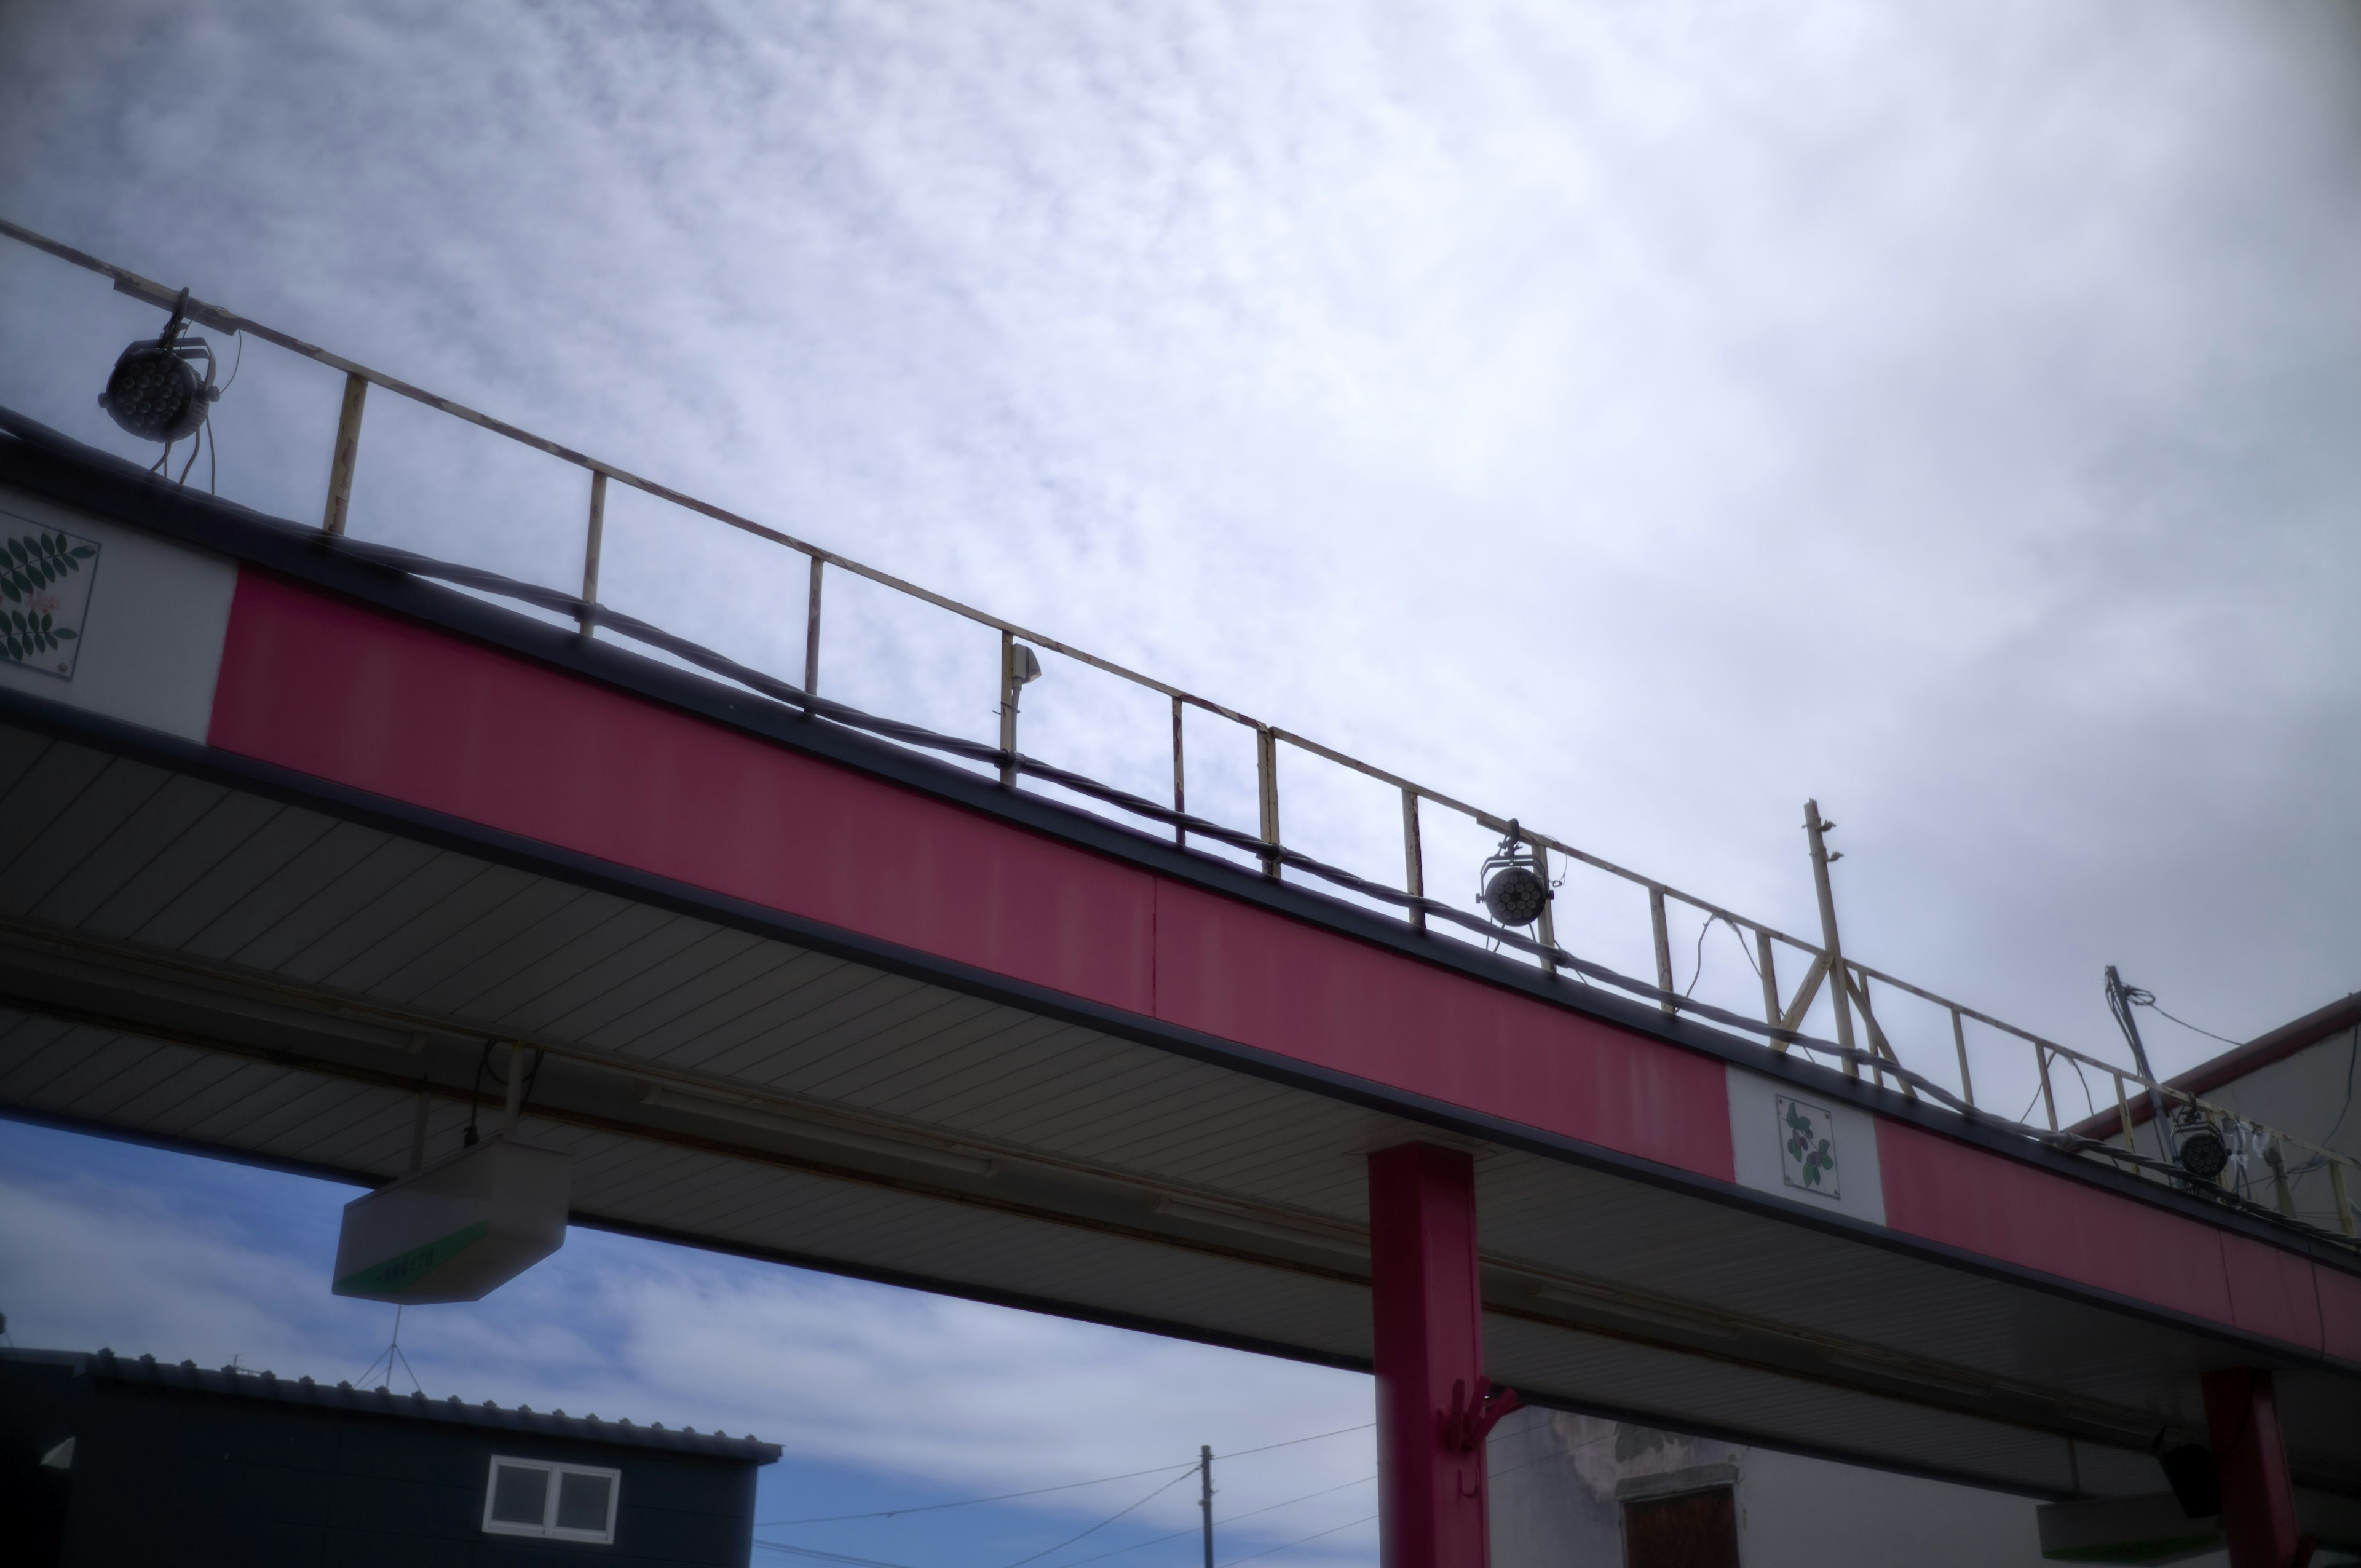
<point x="1284" y="1546"/>
<point x="391" y="1354"/>
<point x="1119" y="1513"/>
<point x="973" y="1502"/>
<point x="1063" y="1486"/>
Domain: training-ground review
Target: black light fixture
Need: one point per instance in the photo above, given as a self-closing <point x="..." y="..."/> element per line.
<point x="155" y="392"/>
<point x="1515" y="893"/>
<point x="2199" y="1146"/>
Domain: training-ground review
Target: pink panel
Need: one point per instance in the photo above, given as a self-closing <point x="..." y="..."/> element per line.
<point x="2271" y="1292"/>
<point x="326" y="688"/>
<point x="1246" y="974"/>
<point x="1983" y="1202"/>
<point x="2340" y="1312"/>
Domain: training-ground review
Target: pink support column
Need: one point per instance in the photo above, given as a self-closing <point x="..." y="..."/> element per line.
<point x="1433" y="1403"/>
<point x="2258" y="1500"/>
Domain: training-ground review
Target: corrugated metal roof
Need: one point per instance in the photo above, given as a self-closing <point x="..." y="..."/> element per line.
<point x="244" y="1383"/>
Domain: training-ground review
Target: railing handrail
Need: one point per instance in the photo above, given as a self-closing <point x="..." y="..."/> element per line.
<point x="359" y="375"/>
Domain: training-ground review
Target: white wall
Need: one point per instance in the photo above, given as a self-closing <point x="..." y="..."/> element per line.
<point x="1557" y="1481"/>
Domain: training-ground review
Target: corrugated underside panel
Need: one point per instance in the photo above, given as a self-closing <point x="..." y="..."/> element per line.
<point x="114" y="848"/>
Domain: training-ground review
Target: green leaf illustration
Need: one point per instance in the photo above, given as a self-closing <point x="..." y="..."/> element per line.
<point x="28" y="563"/>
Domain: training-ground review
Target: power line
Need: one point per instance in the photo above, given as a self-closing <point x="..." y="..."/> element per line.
<point x="1250" y="1556"/>
<point x="972" y="1502"/>
<point x="828" y="1556"/>
<point x="2150" y="1004"/>
<point x="1291" y="1442"/>
<point x="1066" y="1487"/>
<point x="1269" y="1507"/>
<point x="1098" y="1527"/>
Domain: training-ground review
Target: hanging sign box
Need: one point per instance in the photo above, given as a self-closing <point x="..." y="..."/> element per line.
<point x="456" y="1230"/>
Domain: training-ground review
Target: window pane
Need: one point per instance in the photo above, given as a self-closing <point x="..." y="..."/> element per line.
<point x="519" y="1495"/>
<point x="582" y="1501"/>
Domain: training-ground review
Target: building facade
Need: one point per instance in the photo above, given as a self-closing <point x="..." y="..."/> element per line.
<point x="112" y="1461"/>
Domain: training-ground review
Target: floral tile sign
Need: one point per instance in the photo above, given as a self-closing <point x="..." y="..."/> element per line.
<point x="45" y="577"/>
<point x="1807" y="1146"/>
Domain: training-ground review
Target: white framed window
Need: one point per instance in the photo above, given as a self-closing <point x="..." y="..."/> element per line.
<point x="558" y="1502"/>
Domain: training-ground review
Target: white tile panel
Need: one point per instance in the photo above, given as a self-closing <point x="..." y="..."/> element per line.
<point x="150" y="646"/>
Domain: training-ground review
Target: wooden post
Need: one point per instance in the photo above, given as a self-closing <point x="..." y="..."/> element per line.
<point x="348" y="451"/>
<point x="590" y="551"/>
<point x="1180" y="780"/>
<point x="1267" y="786"/>
<point x="811" y="634"/>
<point x="1967" y="1083"/>
<point x="1548" y="923"/>
<point x="1663" y="946"/>
<point x="1768" y="965"/>
<point x="1413" y="858"/>
<point x="1817" y="831"/>
<point x="1008" y="710"/>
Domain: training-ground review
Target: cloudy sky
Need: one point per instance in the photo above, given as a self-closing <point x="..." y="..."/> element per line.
<point x="1635" y="418"/>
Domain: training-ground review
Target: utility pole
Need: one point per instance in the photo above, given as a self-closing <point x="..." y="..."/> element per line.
<point x="1839" y="980"/>
<point x="1205" y="1496"/>
<point x="2120" y="998"/>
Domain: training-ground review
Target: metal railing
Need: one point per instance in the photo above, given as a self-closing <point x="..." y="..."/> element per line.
<point x="1847" y="984"/>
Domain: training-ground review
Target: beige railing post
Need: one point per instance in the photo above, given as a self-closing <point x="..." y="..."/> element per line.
<point x="1267" y="787"/>
<point x="1008" y="689"/>
<point x="592" y="544"/>
<point x="1548" y="922"/>
<point x="1817" y="830"/>
<point x="1661" y="931"/>
<point x="811" y="633"/>
<point x="1959" y="1044"/>
<point x="1413" y="859"/>
<point x="1180" y="779"/>
<point x="348" y="451"/>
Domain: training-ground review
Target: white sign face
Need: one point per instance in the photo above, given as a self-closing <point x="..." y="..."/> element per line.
<point x="1807" y="1148"/>
<point x="45" y="579"/>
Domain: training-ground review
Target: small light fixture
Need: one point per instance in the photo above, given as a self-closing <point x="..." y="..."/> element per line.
<point x="2202" y="1150"/>
<point x="1514" y="890"/>
<point x="155" y="392"/>
<point x="1024" y="669"/>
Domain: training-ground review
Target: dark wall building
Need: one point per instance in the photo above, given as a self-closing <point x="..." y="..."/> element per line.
<point x="107" y="1462"/>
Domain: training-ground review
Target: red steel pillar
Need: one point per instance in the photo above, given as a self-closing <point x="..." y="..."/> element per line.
<point x="1433" y="1404"/>
<point x="2250" y="1457"/>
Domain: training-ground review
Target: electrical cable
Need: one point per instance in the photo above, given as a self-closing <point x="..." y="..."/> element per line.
<point x="1250" y="1556"/>
<point x="828" y="1556"/>
<point x="1119" y="1513"/>
<point x="2352" y="1056"/>
<point x="972" y="1502"/>
<point x="1063" y="1486"/>
<point x="2147" y="999"/>
<point x="1291" y="1442"/>
<point x="1194" y="1529"/>
<point x="1697" y="972"/>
